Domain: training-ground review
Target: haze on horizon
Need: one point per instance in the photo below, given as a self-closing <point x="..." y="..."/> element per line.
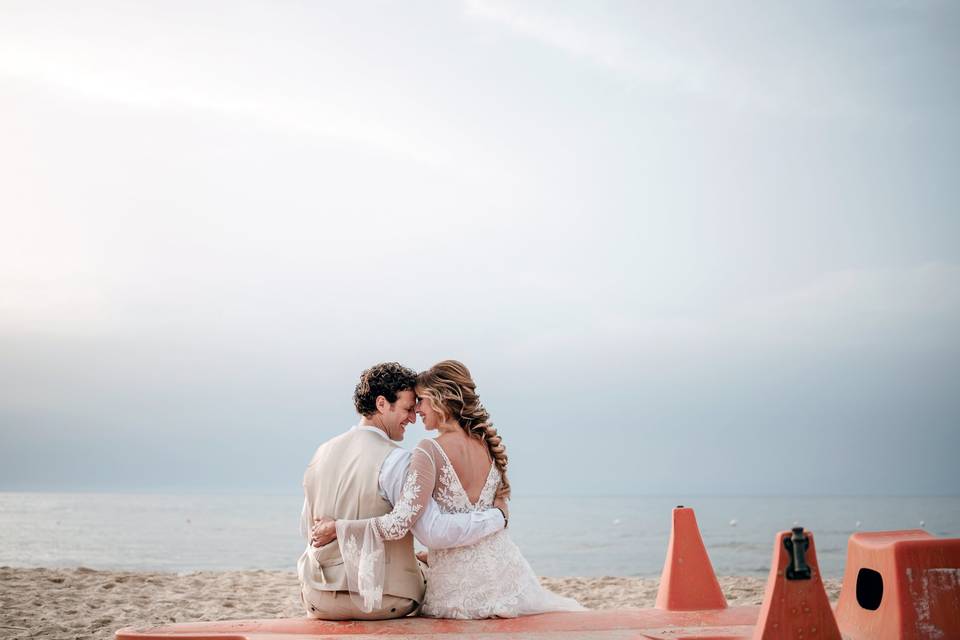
<point x="685" y="248"/>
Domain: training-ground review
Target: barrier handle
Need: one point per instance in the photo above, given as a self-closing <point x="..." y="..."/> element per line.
<point x="797" y="545"/>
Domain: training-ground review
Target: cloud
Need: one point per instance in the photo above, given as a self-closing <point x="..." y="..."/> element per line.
<point x="698" y="55"/>
<point x="878" y="309"/>
<point x="595" y="43"/>
<point x="291" y="117"/>
<point x="562" y="32"/>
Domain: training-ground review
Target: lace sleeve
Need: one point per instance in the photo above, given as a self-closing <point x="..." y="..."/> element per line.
<point x="417" y="489"/>
<point x="361" y="541"/>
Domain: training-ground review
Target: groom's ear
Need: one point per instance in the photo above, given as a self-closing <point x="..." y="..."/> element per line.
<point x="381" y="404"/>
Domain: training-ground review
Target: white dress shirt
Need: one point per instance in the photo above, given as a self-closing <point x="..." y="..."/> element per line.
<point x="434" y="529"/>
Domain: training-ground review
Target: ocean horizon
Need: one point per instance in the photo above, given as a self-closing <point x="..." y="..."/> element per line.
<point x="559" y="536"/>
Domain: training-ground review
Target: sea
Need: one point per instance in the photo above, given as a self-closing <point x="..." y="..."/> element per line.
<point x="559" y="536"/>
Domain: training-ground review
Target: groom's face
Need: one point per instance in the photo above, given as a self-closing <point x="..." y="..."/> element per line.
<point x="398" y="415"/>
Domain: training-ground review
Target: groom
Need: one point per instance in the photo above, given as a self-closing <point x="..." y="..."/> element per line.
<point x="359" y="474"/>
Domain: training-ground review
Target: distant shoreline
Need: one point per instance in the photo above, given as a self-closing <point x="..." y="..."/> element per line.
<point x="94" y="604"/>
<point x="610" y="536"/>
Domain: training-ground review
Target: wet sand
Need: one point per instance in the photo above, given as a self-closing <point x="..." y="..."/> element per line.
<point x="83" y="603"/>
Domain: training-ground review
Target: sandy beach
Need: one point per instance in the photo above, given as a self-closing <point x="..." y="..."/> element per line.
<point x="83" y="603"/>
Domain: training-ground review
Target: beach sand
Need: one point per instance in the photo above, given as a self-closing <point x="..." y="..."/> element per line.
<point x="83" y="603"/>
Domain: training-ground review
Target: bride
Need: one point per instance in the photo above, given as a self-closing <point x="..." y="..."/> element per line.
<point x="464" y="469"/>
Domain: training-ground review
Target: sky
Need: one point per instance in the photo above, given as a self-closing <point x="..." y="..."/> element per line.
<point x="686" y="248"/>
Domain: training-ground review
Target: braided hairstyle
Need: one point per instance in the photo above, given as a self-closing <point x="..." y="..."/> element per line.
<point x="453" y="393"/>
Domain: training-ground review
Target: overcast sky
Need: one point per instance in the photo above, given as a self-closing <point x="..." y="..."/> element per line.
<point x="684" y="247"/>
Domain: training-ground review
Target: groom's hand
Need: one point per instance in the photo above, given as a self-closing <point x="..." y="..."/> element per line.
<point x="501" y="503"/>
<point x="324" y="531"/>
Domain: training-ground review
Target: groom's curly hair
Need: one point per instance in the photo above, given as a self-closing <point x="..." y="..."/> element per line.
<point x="386" y="379"/>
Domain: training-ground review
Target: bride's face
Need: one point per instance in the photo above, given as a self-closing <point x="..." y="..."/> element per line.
<point x="430" y="416"/>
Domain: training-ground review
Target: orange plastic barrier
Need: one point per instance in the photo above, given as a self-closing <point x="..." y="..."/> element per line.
<point x="795" y="604"/>
<point x="900" y="584"/>
<point x="734" y="623"/>
<point x="688" y="582"/>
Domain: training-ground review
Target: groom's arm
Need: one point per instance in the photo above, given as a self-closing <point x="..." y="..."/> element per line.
<point x="437" y="530"/>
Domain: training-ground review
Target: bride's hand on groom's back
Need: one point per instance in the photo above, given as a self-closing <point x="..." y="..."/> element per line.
<point x="324" y="531"/>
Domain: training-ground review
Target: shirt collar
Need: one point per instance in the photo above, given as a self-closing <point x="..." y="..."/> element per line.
<point x="363" y="427"/>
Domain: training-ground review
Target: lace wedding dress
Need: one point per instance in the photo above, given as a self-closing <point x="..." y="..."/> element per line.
<point x="488" y="579"/>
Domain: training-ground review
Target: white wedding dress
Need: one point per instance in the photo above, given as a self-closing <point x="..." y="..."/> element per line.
<point x="488" y="579"/>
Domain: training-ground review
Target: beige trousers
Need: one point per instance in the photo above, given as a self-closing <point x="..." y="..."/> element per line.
<point x="338" y="605"/>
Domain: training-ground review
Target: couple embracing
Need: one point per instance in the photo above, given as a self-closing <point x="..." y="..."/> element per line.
<point x="366" y="498"/>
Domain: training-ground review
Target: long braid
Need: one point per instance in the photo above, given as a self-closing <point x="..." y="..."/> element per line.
<point x="498" y="451"/>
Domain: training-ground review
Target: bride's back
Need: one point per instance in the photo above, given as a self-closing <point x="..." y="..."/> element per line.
<point x="470" y="458"/>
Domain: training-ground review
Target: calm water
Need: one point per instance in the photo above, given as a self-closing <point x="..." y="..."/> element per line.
<point x="559" y="536"/>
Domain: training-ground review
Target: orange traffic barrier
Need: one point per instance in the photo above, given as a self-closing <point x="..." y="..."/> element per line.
<point x="903" y="584"/>
<point x="688" y="582"/>
<point x="795" y="604"/>
<point x="900" y="584"/>
<point x="734" y="623"/>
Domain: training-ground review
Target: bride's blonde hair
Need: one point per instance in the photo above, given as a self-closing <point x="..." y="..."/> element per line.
<point x="453" y="393"/>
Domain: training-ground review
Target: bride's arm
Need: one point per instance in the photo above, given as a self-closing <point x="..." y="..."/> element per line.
<point x="414" y="495"/>
<point x="415" y="508"/>
<point x="361" y="542"/>
<point x="408" y="488"/>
